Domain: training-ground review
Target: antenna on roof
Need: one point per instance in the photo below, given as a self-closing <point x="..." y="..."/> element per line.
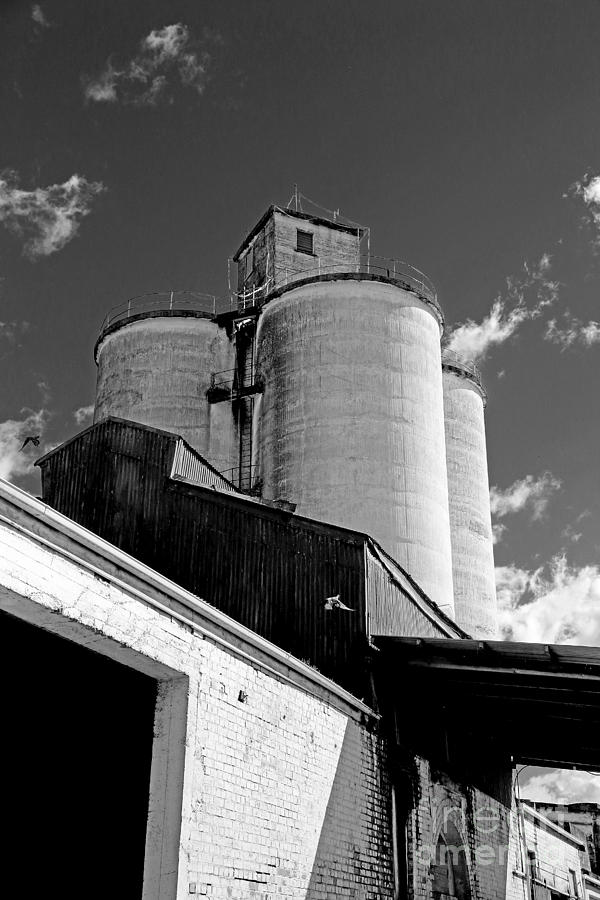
<point x="295" y="200"/>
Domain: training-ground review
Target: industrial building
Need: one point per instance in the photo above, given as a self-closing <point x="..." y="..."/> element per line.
<point x="545" y="860"/>
<point x="324" y="387"/>
<point x="581" y="820"/>
<point x="268" y="566"/>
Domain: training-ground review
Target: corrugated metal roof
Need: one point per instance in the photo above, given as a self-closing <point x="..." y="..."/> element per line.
<point x="269" y="569"/>
<point x="188" y="465"/>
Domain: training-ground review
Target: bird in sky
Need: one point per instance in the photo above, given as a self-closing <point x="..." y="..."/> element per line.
<point x="336" y="603"/>
<point x="31" y="439"/>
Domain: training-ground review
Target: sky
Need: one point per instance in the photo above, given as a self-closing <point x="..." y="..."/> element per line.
<point x="140" y="142"/>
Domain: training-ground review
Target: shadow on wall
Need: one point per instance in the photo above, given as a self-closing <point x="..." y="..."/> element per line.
<point x="354" y="855"/>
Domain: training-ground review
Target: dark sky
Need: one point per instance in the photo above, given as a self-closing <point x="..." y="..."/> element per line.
<point x="453" y="129"/>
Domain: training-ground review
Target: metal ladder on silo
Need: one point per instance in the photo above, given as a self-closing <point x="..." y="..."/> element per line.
<point x="238" y="387"/>
<point x="244" y="405"/>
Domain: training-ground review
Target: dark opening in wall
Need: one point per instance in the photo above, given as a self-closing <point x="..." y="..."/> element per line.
<point x="304" y="241"/>
<point x="75" y="767"/>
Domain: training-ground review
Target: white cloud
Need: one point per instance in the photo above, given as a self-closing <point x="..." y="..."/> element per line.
<point x="498" y="532"/>
<point x="48" y="218"/>
<point x="13" y="460"/>
<point x="38" y="16"/>
<point x="45" y="390"/>
<point x="561" y="606"/>
<point x="166" y="54"/>
<point x="529" y="493"/>
<point x="561" y="786"/>
<point x="574" y="332"/>
<point x="103" y="89"/>
<point x="588" y="189"/>
<point x="12" y="331"/>
<point x="474" y="340"/>
<point x="83" y="415"/>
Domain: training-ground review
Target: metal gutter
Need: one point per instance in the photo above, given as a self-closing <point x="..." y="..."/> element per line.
<point x="551" y="826"/>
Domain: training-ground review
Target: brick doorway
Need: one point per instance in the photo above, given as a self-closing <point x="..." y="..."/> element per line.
<point x="75" y="755"/>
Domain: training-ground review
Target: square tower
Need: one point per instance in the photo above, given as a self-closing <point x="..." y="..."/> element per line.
<point x="286" y="244"/>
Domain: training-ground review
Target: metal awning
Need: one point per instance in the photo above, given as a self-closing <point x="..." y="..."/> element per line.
<point x="537" y="703"/>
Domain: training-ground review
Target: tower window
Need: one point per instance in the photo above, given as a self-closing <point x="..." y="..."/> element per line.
<point x="304" y="241"/>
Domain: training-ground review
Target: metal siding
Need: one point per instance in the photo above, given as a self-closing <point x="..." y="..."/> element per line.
<point x="391" y="611"/>
<point x="191" y="467"/>
<point x="270" y="571"/>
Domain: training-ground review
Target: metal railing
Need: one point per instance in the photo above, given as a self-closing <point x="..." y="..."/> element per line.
<point x="175" y="301"/>
<point x="396" y="270"/>
<point x="224" y="380"/>
<point x="456" y="361"/>
<point x="245" y="478"/>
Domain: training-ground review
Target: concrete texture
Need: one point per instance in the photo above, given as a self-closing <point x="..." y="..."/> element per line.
<point x="475" y="603"/>
<point x="157" y="370"/>
<point x="351" y="421"/>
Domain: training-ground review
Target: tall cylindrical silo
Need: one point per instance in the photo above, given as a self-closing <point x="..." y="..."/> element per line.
<point x="351" y="420"/>
<point x="469" y="499"/>
<point x="155" y="368"/>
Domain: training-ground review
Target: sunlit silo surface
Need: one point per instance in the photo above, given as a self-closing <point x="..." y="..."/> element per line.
<point x="469" y="502"/>
<point x="352" y="421"/>
<point x="155" y="361"/>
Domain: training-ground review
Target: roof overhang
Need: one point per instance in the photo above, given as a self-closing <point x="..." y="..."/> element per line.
<point x="538" y="704"/>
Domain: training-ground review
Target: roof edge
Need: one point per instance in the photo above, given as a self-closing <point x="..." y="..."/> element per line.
<point x="427" y="606"/>
<point x="306" y="217"/>
<point x="50" y="518"/>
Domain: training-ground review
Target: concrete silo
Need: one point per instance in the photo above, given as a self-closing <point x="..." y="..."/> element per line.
<point x="351" y="420"/>
<point x="469" y="500"/>
<point x="156" y="357"/>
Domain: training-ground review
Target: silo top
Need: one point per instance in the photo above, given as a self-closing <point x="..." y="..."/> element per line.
<point x="464" y="368"/>
<point x="162" y="304"/>
<point x="287" y="247"/>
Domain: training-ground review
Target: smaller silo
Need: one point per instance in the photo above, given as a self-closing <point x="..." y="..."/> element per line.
<point x="156" y="358"/>
<point x="468" y="497"/>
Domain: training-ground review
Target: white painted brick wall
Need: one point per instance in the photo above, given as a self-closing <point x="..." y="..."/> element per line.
<point x="282" y="793"/>
<point x="555" y="855"/>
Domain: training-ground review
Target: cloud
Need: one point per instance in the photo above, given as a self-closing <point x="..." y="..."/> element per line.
<point x="45" y="390"/>
<point x="529" y="493"/>
<point x="13" y="460"/>
<point x="588" y="190"/>
<point x="12" y="331"/>
<point x="47" y="218"/>
<point x="38" y="16"/>
<point x="474" y="340"/>
<point x="574" y="332"/>
<point x="166" y="55"/>
<point x="84" y="415"/>
<point x="556" y="604"/>
<point x="498" y="532"/>
<point x="562" y="786"/>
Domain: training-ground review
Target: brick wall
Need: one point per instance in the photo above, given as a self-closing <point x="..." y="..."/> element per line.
<point x="472" y="822"/>
<point x="555" y="855"/>
<point x="261" y="786"/>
